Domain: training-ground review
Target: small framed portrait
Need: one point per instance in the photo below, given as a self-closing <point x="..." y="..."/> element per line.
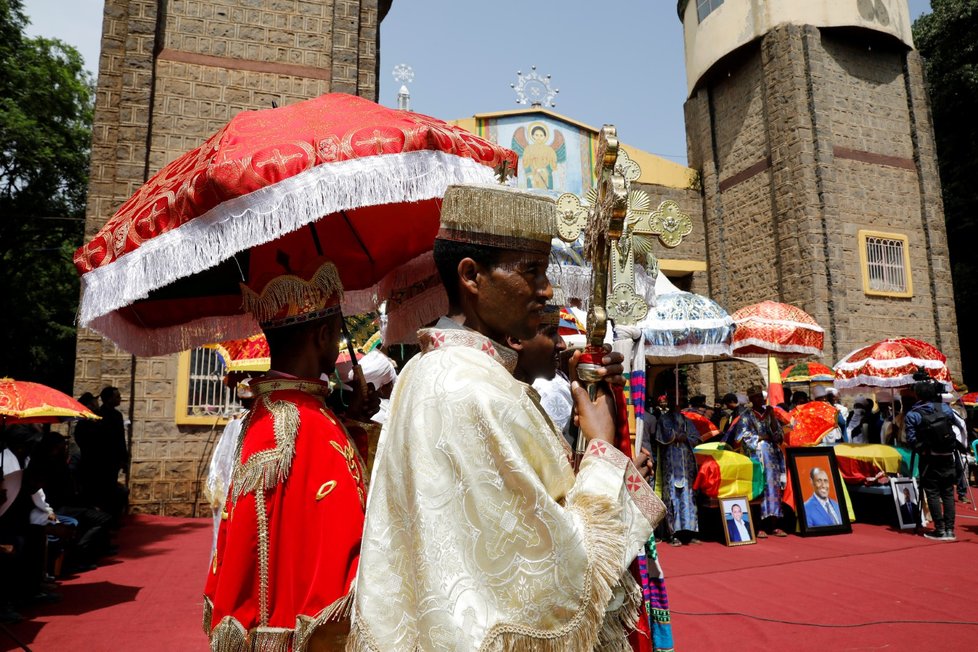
<point x="818" y="491"/>
<point x="906" y="499"/>
<point x="738" y="529"/>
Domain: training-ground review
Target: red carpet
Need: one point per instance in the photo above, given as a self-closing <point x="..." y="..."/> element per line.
<point x="830" y="588"/>
<point x="148" y="598"/>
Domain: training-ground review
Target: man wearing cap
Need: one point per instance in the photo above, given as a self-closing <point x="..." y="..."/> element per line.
<point x="479" y="536"/>
<point x="289" y="538"/>
<point x="757" y="432"/>
<point x="538" y="364"/>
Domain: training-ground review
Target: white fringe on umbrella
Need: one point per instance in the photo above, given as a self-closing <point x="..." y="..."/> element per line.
<point x="767" y="345"/>
<point x="410" y="316"/>
<point x="254" y="219"/>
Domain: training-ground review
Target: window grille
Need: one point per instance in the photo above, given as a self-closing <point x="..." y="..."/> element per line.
<point x="885" y="264"/>
<point x="705" y="7"/>
<point x="207" y="395"/>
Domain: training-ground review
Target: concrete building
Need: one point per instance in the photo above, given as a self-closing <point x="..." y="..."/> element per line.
<point x="172" y="72"/>
<point x="810" y="127"/>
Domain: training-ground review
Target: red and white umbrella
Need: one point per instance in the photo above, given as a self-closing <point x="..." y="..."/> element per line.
<point x="275" y="192"/>
<point x="891" y="363"/>
<point x="779" y="329"/>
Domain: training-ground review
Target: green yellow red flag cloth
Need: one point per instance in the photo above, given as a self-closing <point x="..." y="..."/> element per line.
<point x="775" y="390"/>
<point x="723" y="473"/>
<point x="858" y="462"/>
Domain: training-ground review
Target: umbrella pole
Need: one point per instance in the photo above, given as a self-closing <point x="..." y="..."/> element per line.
<point x="357" y="369"/>
<point x="676" y="377"/>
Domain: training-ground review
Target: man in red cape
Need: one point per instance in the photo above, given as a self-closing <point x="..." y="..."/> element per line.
<point x="289" y="540"/>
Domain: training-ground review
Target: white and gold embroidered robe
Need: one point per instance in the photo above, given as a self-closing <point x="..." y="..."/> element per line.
<point x="478" y="534"/>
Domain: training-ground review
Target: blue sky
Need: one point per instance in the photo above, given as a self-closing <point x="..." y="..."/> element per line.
<point x="617" y="61"/>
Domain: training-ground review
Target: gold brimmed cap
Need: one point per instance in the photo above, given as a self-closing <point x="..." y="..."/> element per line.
<point x="499" y="216"/>
<point x="289" y="299"/>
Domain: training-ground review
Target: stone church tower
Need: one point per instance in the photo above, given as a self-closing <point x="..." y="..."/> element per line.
<point x="171" y="73"/>
<point x="811" y="129"/>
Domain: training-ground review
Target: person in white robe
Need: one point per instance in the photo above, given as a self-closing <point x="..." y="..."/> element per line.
<point x="479" y="535"/>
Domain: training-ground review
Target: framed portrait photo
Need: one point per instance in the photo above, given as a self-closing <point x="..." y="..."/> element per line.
<point x="906" y="500"/>
<point x="738" y="528"/>
<point x="818" y="492"/>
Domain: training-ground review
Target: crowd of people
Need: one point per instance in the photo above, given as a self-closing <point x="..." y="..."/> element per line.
<point x="60" y="501"/>
<point x="747" y="424"/>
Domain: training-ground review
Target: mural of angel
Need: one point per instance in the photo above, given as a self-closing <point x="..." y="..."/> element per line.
<point x="538" y="158"/>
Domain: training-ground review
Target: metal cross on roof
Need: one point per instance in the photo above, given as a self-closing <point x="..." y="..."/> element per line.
<point x="534" y="89"/>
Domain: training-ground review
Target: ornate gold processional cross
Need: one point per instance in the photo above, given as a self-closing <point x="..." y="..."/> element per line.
<point x="618" y="222"/>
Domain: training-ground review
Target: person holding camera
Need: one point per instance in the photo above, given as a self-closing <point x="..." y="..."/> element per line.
<point x="928" y="429"/>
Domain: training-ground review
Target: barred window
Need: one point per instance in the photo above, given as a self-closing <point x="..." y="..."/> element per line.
<point x="886" y="264"/>
<point x="202" y="396"/>
<point x="705" y="7"/>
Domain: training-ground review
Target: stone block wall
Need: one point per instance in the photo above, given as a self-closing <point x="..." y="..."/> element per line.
<point x="802" y="139"/>
<point x="170" y="74"/>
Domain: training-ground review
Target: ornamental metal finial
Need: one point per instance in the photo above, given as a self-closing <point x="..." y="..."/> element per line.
<point x="404" y="74"/>
<point x="534" y="89"/>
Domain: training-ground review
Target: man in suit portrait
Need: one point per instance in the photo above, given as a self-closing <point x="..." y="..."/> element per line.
<point x="738" y="527"/>
<point x="820" y="510"/>
<point x="908" y="508"/>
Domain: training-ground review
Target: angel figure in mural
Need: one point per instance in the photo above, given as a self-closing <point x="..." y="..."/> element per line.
<point x="538" y="158"/>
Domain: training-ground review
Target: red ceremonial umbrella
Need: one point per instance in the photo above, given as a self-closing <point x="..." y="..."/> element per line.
<point x="26" y="402"/>
<point x="704" y="426"/>
<point x="807" y="372"/>
<point x="780" y="329"/>
<point x="891" y="363"/>
<point x="246" y="354"/>
<point x="775" y="329"/>
<point x="811" y="422"/>
<point x="278" y="191"/>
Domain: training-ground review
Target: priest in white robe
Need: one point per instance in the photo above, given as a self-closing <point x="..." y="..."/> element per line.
<point x="479" y="535"/>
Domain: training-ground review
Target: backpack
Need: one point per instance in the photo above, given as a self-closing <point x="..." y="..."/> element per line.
<point x="934" y="434"/>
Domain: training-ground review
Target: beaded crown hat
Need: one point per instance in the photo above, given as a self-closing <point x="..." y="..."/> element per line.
<point x="288" y="299"/>
<point x="499" y="216"/>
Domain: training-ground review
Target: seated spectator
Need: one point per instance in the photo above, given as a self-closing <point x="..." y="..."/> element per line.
<point x="24" y="545"/>
<point x="92" y="534"/>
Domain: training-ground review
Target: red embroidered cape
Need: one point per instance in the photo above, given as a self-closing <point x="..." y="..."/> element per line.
<point x="284" y="563"/>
